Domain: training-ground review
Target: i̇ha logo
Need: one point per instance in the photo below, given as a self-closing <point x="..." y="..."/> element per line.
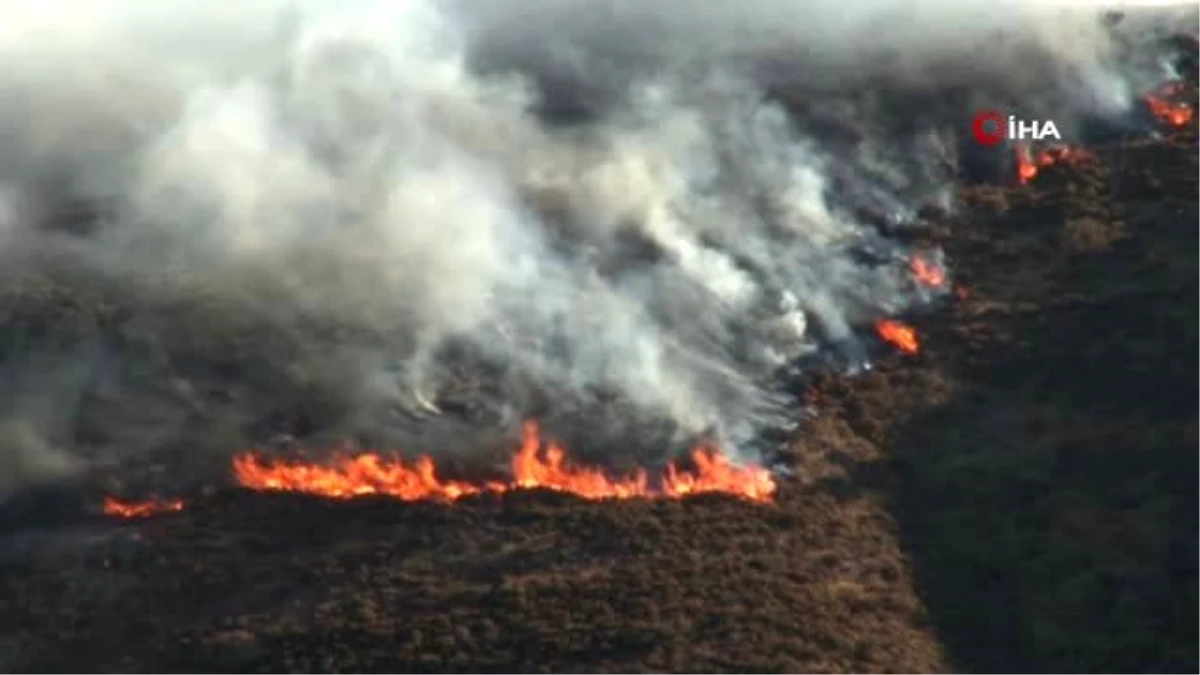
<point x="990" y="128"/>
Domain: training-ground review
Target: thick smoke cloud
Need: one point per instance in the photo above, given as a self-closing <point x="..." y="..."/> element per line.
<point x="552" y="203"/>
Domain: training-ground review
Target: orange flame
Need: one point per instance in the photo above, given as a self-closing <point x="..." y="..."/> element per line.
<point x="899" y="335"/>
<point x="1172" y="114"/>
<point x="125" y="509"/>
<point x="1026" y="168"/>
<point x="926" y="273"/>
<point x="369" y="473"/>
<point x="1030" y="163"/>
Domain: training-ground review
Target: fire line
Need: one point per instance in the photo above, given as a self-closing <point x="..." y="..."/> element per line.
<point x="120" y="508"/>
<point x="1173" y="114"/>
<point x="536" y="465"/>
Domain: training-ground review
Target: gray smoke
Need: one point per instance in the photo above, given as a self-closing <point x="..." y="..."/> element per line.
<point x="551" y="203"/>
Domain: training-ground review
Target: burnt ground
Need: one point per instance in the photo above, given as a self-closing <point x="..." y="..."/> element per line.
<point x="1020" y="495"/>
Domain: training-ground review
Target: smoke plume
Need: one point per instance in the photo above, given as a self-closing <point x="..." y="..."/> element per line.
<point x="416" y="221"/>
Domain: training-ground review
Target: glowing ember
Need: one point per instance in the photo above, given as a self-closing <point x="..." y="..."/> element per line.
<point x="125" y="509"/>
<point x="1173" y="114"/>
<point x="533" y="466"/>
<point x="1029" y="163"/>
<point x="926" y="273"/>
<point x="899" y="335"/>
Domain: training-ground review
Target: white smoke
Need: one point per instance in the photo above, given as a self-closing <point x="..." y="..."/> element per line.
<point x="399" y="169"/>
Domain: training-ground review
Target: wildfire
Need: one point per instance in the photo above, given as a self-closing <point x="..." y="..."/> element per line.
<point x="1029" y="163"/>
<point x="127" y="509"/>
<point x="899" y="335"/>
<point x="1166" y="111"/>
<point x="535" y="465"/>
<point x="926" y="273"/>
<point x="1173" y="114"/>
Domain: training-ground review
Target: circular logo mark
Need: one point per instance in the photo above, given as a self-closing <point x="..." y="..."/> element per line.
<point x="988" y="127"/>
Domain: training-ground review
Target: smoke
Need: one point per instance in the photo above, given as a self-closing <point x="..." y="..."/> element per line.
<point x="545" y="204"/>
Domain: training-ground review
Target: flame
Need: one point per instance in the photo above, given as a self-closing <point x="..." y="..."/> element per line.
<point x="1026" y="168"/>
<point x="533" y="466"/>
<point x="1172" y="114"/>
<point x="126" y="509"/>
<point x="926" y="273"/>
<point x="1029" y="163"/>
<point x="899" y="335"/>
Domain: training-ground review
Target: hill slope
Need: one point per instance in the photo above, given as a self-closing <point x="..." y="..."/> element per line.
<point x="1021" y="494"/>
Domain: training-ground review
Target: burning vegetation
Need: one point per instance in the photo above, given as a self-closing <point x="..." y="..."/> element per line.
<point x="1030" y="162"/>
<point x="927" y="273"/>
<point x="541" y="465"/>
<point x="536" y="465"/>
<point x="1165" y="106"/>
<point x="898" y="334"/>
<point x="120" y="508"/>
<point x="435" y="249"/>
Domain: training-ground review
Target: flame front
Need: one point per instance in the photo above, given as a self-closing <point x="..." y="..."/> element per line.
<point x="535" y="465"/>
<point x="1165" y="111"/>
<point x="1029" y="163"/>
<point x="899" y="335"/>
<point x="127" y="509"/>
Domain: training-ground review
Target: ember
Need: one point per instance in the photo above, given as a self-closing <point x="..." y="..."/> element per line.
<point x="129" y="509"/>
<point x="535" y="465"/>
<point x="899" y="335"/>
